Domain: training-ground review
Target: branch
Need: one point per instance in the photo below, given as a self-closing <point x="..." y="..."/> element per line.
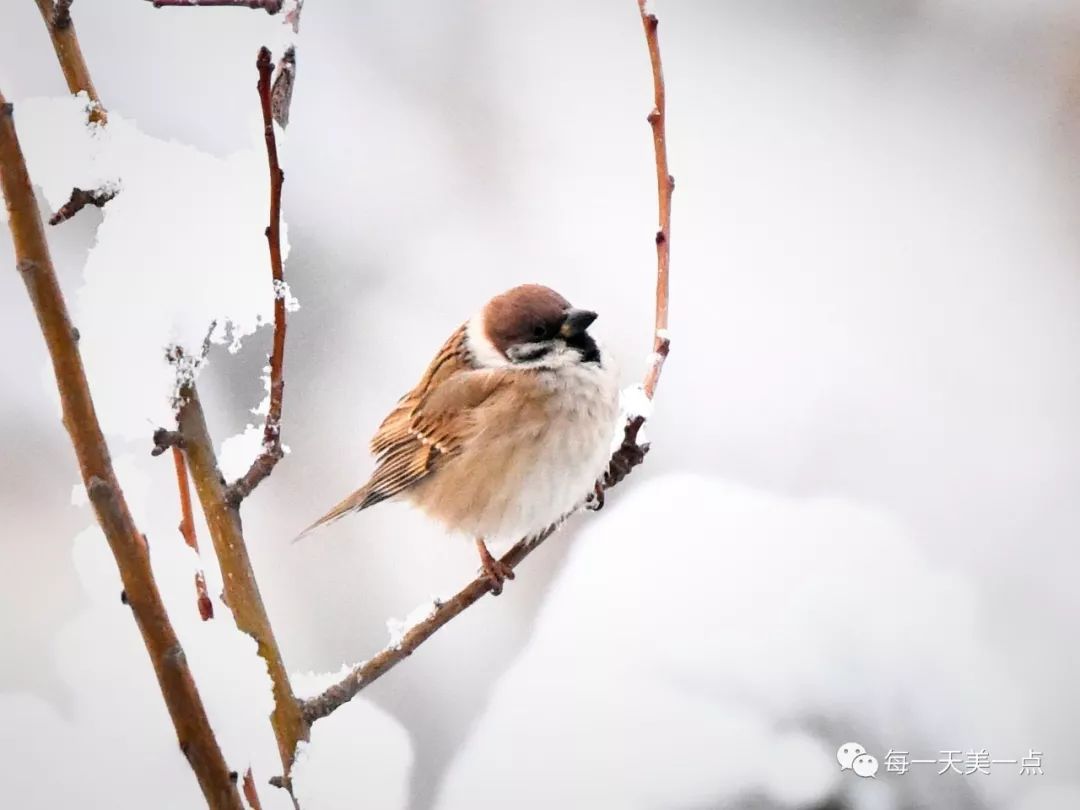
<point x="127" y="544"/>
<point x="365" y="674"/>
<point x="269" y="6"/>
<point x="271" y="446"/>
<point x="250" y="793"/>
<point x="241" y="589"/>
<point x="79" y="199"/>
<point x="629" y="455"/>
<point x="61" y="29"/>
<point x="187" y="530"/>
<point x="665" y="185"/>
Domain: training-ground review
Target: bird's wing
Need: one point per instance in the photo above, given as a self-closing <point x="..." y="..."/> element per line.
<point x="428" y="425"/>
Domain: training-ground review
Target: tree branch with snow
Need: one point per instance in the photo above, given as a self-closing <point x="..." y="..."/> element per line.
<point x="626" y="457"/>
<point x="187" y="531"/>
<point x="271" y="453"/>
<point x="128" y="545"/>
<point x="238" y="575"/>
<point x="220" y="502"/>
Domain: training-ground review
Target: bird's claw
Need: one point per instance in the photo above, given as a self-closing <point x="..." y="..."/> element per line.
<point x="595" y="501"/>
<point x="495" y="570"/>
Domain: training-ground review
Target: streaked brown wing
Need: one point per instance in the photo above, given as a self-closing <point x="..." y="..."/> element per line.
<point x="431" y="422"/>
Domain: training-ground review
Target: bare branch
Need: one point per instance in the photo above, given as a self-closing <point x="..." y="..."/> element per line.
<point x="79" y="199"/>
<point x="382" y="662"/>
<point x="57" y="19"/>
<point x="250" y="793"/>
<point x="629" y="455"/>
<point x="365" y="674"/>
<point x="269" y="6"/>
<point x="665" y="185"/>
<point x="271" y="446"/>
<point x="187" y="530"/>
<point x="194" y="734"/>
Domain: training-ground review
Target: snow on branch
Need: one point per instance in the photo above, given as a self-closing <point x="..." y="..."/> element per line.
<point x="237" y="573"/>
<point x="129" y="547"/>
<point x="629" y="453"/>
<point x="221" y="503"/>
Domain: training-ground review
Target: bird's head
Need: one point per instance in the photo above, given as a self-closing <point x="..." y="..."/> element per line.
<point x="532" y="326"/>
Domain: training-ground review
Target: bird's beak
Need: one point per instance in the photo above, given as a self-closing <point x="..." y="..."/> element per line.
<point x="577" y="321"/>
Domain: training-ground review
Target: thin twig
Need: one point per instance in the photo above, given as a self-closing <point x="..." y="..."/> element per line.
<point x="271" y="453"/>
<point x="665" y="185"/>
<point x="365" y="674"/>
<point x="187" y="530"/>
<point x="127" y="544"/>
<point x="250" y="793"/>
<point x="238" y="575"/>
<point x="79" y="199"/>
<point x="57" y="19"/>
<point x="269" y="6"/>
<point x="629" y="455"/>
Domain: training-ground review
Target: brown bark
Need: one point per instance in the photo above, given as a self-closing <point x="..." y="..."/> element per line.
<point x="69" y="54"/>
<point x="129" y="548"/>
<point x="241" y="589"/>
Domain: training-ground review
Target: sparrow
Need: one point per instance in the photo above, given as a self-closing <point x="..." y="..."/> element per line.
<point x="508" y="430"/>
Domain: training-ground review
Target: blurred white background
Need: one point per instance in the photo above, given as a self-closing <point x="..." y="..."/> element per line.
<point x="859" y="517"/>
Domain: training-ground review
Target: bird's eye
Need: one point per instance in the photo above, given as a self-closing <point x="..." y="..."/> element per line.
<point x="539" y="332"/>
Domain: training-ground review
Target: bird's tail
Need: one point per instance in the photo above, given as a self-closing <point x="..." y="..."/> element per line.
<point x="361" y="499"/>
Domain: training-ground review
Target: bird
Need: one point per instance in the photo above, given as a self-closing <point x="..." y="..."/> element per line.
<point x="508" y="430"/>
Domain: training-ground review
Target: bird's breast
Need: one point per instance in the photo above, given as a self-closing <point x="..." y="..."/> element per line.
<point x="534" y="458"/>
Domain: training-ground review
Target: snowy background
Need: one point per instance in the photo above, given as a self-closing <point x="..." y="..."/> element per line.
<point x="859" y="520"/>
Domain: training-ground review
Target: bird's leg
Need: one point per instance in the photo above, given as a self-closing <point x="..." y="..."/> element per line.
<point x="495" y="570"/>
<point x="595" y="501"/>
